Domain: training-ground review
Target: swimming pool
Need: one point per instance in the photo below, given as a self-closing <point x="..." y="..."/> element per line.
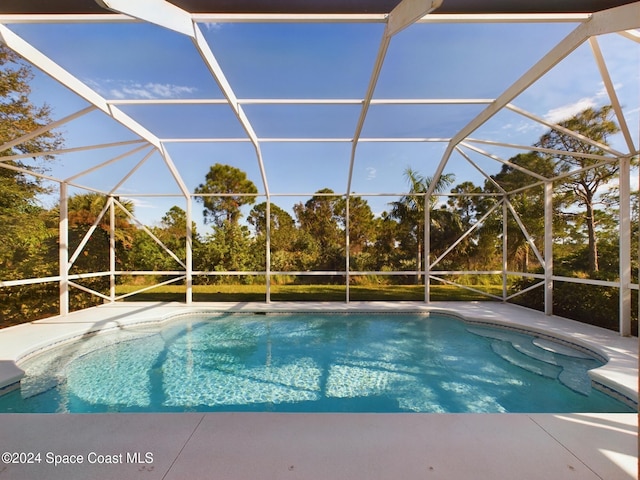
<point x="311" y="363"/>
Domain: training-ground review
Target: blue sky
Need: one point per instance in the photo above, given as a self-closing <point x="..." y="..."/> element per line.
<point x="315" y="61"/>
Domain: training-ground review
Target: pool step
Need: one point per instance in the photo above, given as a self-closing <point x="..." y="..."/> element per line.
<point x="557" y="348"/>
<point x="528" y="348"/>
<point x="522" y="343"/>
<point x="508" y="352"/>
<point x="34" y="386"/>
<point x="576" y="378"/>
<point x="542" y="357"/>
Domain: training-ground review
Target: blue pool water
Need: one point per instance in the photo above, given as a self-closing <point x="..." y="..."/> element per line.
<point x="310" y="363"/>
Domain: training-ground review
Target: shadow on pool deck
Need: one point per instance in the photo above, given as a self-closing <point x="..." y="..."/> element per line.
<point x="238" y="446"/>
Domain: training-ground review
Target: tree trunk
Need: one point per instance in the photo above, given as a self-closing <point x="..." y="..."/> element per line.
<point x="593" y="246"/>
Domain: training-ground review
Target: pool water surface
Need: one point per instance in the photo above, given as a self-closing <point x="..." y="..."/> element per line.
<point x="311" y="363"/>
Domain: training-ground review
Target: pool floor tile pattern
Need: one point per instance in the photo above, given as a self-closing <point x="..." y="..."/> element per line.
<point x="239" y="446"/>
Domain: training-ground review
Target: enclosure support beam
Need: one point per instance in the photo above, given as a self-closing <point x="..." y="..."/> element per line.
<point x="625" y="246"/>
<point x="112" y="250"/>
<point x="268" y="251"/>
<point x="427" y="253"/>
<point x="505" y="246"/>
<point x="346" y="248"/>
<point x="189" y="251"/>
<point x="63" y="250"/>
<point x="160" y="13"/>
<point x="548" y="248"/>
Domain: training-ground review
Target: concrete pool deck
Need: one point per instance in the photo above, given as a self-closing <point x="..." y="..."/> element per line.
<point x="309" y="446"/>
<point x="250" y="446"/>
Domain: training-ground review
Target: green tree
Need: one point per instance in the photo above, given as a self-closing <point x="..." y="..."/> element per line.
<point x="84" y="209"/>
<point x="283" y="227"/>
<point x="361" y="225"/>
<point x="582" y="188"/>
<point x="283" y="237"/>
<point x="228" y="248"/>
<point x="18" y="115"/>
<point x="465" y="202"/>
<point x="463" y="210"/>
<point x="23" y="222"/>
<point x="409" y="211"/>
<point x="173" y="231"/>
<point x="385" y="247"/>
<point x="529" y="205"/>
<point x="222" y="194"/>
<point x="146" y="254"/>
<point x="321" y="217"/>
<point x="26" y="228"/>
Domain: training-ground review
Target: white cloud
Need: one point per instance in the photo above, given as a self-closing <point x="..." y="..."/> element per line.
<point x="153" y="90"/>
<point x="212" y="26"/>
<point x="140" y="203"/>
<point x="120" y="90"/>
<point x="522" y="127"/>
<point x="371" y="173"/>
<point x="602" y="93"/>
<point x="567" y="111"/>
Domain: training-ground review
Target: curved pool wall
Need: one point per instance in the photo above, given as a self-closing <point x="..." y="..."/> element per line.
<point x="618" y="377"/>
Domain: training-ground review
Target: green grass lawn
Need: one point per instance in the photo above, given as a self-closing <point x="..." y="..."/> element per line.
<point x="334" y="293"/>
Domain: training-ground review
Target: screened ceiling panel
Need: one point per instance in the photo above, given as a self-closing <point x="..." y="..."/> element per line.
<point x="463" y="60"/>
<point x="288" y="60"/>
<point x="193" y="160"/>
<point x="187" y="121"/>
<point x="314" y="166"/>
<point x="623" y="65"/>
<point x="303" y="121"/>
<point x="375" y="159"/>
<point x="418" y="121"/>
<point x="511" y="127"/>
<point x="464" y="171"/>
<point x="45" y="88"/>
<point x="95" y="127"/>
<point x="152" y="171"/>
<point x="469" y="164"/>
<point x="110" y="139"/>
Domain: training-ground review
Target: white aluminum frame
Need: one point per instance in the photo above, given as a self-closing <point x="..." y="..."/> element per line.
<point x="623" y="20"/>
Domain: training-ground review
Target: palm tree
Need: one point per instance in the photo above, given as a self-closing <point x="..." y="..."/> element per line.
<point x="409" y="210"/>
<point x="85" y="208"/>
